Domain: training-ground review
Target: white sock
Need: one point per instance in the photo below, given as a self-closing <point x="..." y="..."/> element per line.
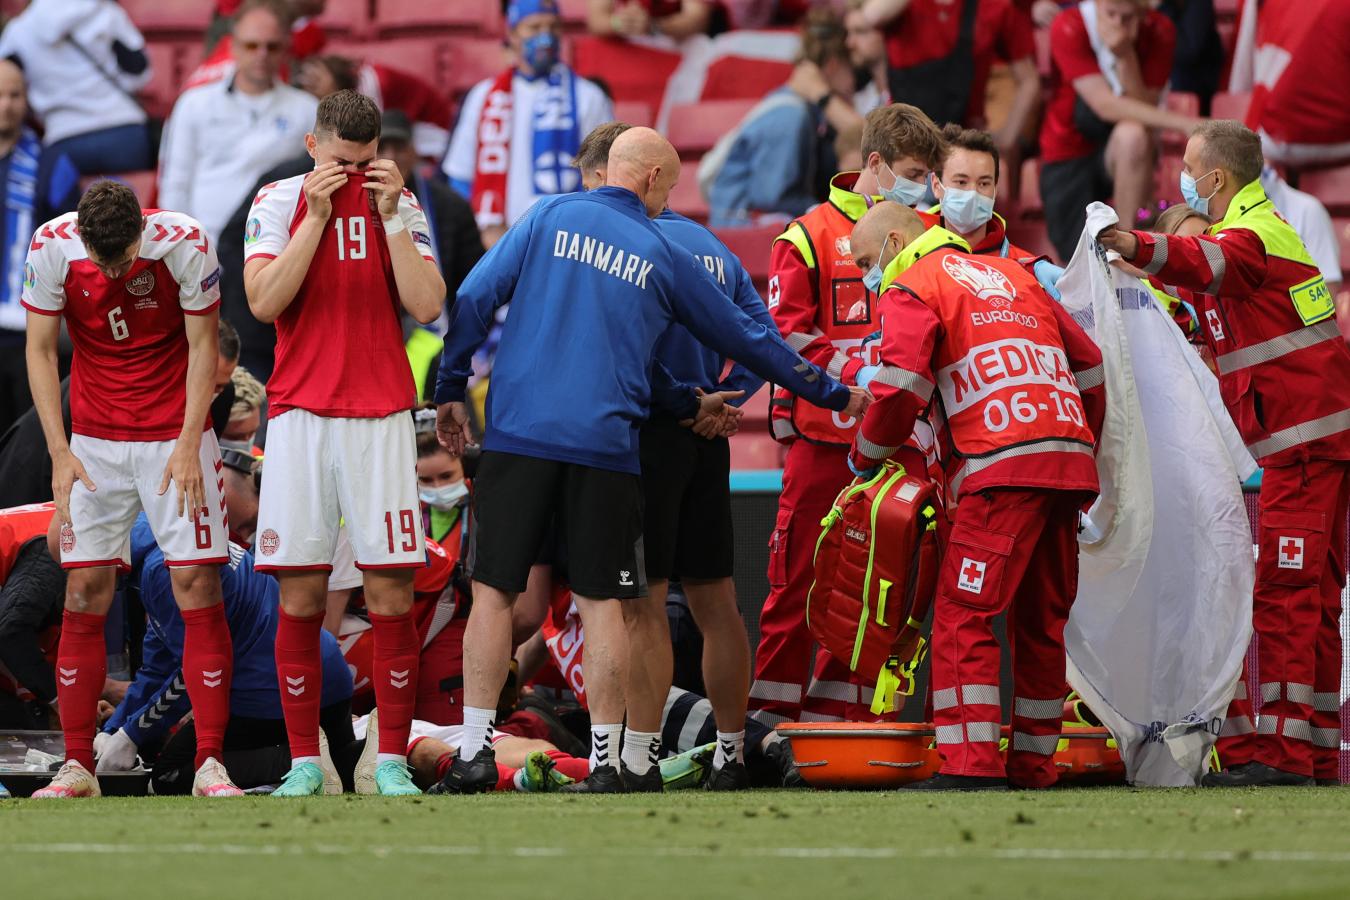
<point x="604" y="743"/>
<point x="730" y="748"/>
<point x="477" y="728"/>
<point x="301" y="760"/>
<point x="641" y="750"/>
<point x="382" y="758"/>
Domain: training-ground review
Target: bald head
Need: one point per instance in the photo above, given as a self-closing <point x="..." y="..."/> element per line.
<point x="645" y="163"/>
<point x="886" y="228"/>
<point x="13" y="100"/>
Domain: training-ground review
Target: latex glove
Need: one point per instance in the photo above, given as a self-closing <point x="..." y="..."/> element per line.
<point x="866" y="374"/>
<point x="866" y="474"/>
<point x="1047" y="273"/>
<point x="115" y="752"/>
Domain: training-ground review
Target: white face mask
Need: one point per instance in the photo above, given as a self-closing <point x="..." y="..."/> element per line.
<point x="446" y="497"/>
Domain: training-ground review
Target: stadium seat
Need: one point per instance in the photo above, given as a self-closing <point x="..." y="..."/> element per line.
<point x="751" y="246"/>
<point x="573" y="13"/>
<point x="1029" y="205"/>
<point x="1168" y="185"/>
<point x="756" y="411"/>
<point x="630" y="71"/>
<point x="686" y="199"/>
<point x="742" y="78"/>
<point x="144" y="184"/>
<point x="694" y="127"/>
<point x="155" y="17"/>
<point x="633" y="113"/>
<point x="348" y="18"/>
<point x="423" y="17"/>
<point x="470" y="61"/>
<point x="427" y="58"/>
<point x="1342" y="226"/>
<point x="1230" y="106"/>
<point x="1331" y="186"/>
<point x="1183" y="104"/>
<point x="166" y="76"/>
<point x="755" y="451"/>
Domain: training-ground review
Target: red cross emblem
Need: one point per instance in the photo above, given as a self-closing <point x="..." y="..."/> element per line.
<point x="971" y="576"/>
<point x="1291" y="553"/>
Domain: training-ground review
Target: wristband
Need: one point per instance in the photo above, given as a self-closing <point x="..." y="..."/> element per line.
<point x="394" y="226"/>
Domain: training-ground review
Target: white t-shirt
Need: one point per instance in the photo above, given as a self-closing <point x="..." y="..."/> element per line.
<point x="593" y="109"/>
<point x="1310" y="220"/>
<point x="68" y="90"/>
<point x="218" y="142"/>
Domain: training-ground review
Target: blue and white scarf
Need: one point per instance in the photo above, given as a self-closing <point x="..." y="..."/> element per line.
<point x="557" y="136"/>
<point x="20" y="200"/>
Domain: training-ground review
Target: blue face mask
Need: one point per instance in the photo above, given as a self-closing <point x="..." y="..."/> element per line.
<point x="1192" y="196"/>
<point x="904" y="191"/>
<point x="872" y="280"/>
<point x="541" y="52"/>
<point x="966" y="211"/>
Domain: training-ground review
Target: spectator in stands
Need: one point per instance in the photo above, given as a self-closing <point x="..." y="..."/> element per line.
<point x="1302" y="67"/>
<point x="84" y="60"/>
<point x="676" y="19"/>
<point x="307" y="38"/>
<point x="778" y="161"/>
<point x="1198" y="60"/>
<point x="1110" y="62"/>
<point x="36" y="185"/>
<point x="222" y="136"/>
<point x="246" y="411"/>
<point x="519" y="130"/>
<point x="867" y="51"/>
<point x="940" y="54"/>
<point x="391" y="89"/>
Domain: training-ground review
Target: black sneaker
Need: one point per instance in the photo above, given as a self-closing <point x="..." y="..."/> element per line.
<point x="958" y="783"/>
<point x="602" y="780"/>
<point x="1255" y="774"/>
<point x="1328" y="782"/>
<point x="472" y="776"/>
<point x="732" y="776"/>
<point x="649" y="783"/>
<point x="780" y="754"/>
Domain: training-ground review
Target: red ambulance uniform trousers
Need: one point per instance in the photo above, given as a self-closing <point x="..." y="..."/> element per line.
<point x="1013" y="550"/>
<point x="1296" y="610"/>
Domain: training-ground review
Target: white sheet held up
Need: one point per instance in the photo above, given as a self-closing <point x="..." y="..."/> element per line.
<point x="1155" y="645"/>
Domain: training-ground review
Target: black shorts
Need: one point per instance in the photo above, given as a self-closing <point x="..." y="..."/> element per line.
<point x="1067" y="187"/>
<point x="687" y="531"/>
<point x="598" y="517"/>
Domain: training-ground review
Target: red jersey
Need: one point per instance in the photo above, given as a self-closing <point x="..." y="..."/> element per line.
<point x="128" y="381"/>
<point x="340" y="342"/>
<point x="18" y="526"/>
<point x="1072" y="57"/>
<point x="927" y="30"/>
<point x="1301" y="69"/>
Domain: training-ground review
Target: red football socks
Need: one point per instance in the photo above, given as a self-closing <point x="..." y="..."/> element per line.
<point x="208" y="662"/>
<point x="300" y="678"/>
<point x="395" y="675"/>
<point x="81" y="667"/>
<point x="573" y="767"/>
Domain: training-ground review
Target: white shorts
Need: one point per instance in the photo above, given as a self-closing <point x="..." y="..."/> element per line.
<point x="446" y="734"/>
<point x="320" y="472"/>
<point x="126" y="476"/>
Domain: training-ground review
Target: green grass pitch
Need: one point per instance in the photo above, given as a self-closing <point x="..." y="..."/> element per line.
<point x="1100" y="843"/>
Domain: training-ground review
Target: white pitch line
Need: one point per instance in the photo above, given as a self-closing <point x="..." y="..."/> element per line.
<point x="823" y="853"/>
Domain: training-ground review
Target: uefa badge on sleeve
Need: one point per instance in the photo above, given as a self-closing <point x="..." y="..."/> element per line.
<point x="971" y="576"/>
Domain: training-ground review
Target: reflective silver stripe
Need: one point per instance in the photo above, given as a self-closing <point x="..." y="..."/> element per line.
<point x="1328" y="702"/>
<point x="833" y="690"/>
<point x="835" y="369"/>
<point x="1298" y="693"/>
<point x="973" y="466"/>
<point x="944" y="699"/>
<point x="782" y="429"/>
<point x="1302" y="434"/>
<point x="1297" y="729"/>
<point x="1276" y="347"/>
<point x="1270" y="692"/>
<point x="949" y="734"/>
<point x="1217" y="264"/>
<point x="1089" y="378"/>
<point x="1326" y="737"/>
<point x="985" y="694"/>
<point x="797" y="340"/>
<point x="809" y="375"/>
<point x="766" y="718"/>
<point x="783" y="691"/>
<point x="1159" y="255"/>
<point x="1044" y="744"/>
<point x="983" y="732"/>
<point x="1237" y="726"/>
<point x="873" y="451"/>
<point x="905" y="380"/>
<point x="1241" y="692"/>
<point x="1266" y="725"/>
<point x="1038" y="709"/>
<point x="819" y="717"/>
<point x="693" y="724"/>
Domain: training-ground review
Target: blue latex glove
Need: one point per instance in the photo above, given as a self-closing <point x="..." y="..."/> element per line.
<point x="866" y="374"/>
<point x="1047" y="273"/>
<point x="864" y="474"/>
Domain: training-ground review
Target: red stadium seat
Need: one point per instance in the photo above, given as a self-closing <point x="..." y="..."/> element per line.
<point x="422" y="16"/>
<point x="1230" y="106"/>
<point x="170" y="16"/>
<point x="1183" y="104"/>
<point x="166" y="77"/>
<point x="755" y="451"/>
<point x="142" y="183"/>
<point x="741" y="78"/>
<point x="630" y="71"/>
<point x="428" y="58"/>
<point x="1342" y="227"/>
<point x="470" y="61"/>
<point x="751" y="246"/>
<point x="1029" y="203"/>
<point x="686" y="199"/>
<point x="573" y="14"/>
<point x="1331" y="186"/>
<point x="694" y="127"/>
<point x="756" y="411"/>
<point x="350" y="18"/>
<point x="1168" y="185"/>
<point x="633" y="113"/>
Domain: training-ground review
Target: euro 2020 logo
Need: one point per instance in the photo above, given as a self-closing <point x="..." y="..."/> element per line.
<point x="982" y="280"/>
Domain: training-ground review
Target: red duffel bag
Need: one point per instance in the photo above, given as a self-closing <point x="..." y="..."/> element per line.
<point x="876" y="572"/>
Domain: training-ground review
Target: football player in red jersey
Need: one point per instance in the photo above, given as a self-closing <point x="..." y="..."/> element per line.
<point x="139" y="293"/>
<point x="331" y="257"/>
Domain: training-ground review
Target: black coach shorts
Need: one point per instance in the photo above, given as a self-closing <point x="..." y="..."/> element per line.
<point x="687" y="531"/>
<point x="598" y="517"/>
<point x="1067" y="187"/>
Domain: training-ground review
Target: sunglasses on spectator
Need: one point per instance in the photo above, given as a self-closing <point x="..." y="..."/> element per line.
<point x="269" y="46"/>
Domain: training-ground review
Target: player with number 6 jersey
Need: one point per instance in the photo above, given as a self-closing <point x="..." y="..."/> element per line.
<point x="138" y="291"/>
<point x="331" y="257"/>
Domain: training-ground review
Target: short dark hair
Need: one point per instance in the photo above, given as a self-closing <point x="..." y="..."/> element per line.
<point x="427" y="445"/>
<point x="823" y="37"/>
<point x="594" y="150"/>
<point x="341" y="68"/>
<point x="957" y="137"/>
<point x="348" y="116"/>
<point x="109" y="218"/>
<point x="228" y="338"/>
<point x="901" y="130"/>
<point x="1233" y="146"/>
